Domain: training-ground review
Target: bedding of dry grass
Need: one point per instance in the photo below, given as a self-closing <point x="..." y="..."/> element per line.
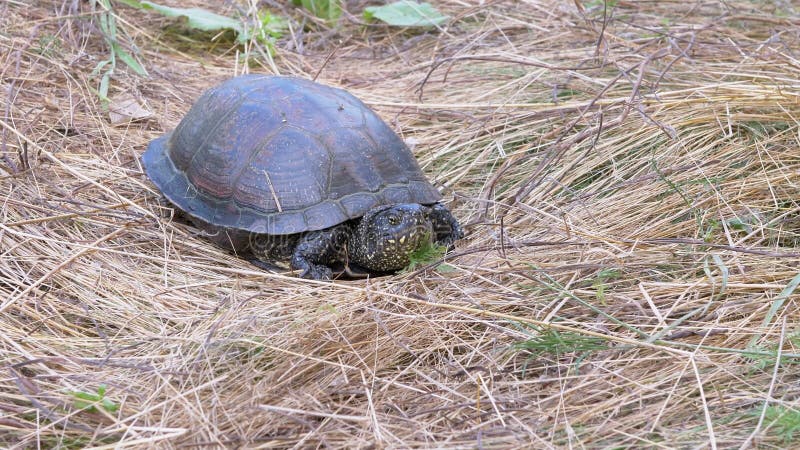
<point x="628" y="176"/>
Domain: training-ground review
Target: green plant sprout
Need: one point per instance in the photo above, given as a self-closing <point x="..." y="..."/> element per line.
<point x="89" y="401"/>
<point x="428" y="254"/>
<point x="324" y="9"/>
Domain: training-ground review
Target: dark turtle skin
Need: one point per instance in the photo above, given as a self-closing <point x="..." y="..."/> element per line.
<point x="286" y="169"/>
<point x="381" y="241"/>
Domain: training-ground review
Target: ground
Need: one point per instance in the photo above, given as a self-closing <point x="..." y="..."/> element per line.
<point x="628" y="175"/>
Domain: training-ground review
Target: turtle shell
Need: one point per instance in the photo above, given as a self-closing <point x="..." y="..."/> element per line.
<point x="282" y="155"/>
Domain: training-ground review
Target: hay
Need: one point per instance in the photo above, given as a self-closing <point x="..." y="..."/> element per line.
<point x="629" y="178"/>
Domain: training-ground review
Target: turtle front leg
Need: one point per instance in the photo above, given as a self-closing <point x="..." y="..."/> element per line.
<point x="445" y="226"/>
<point x="316" y="250"/>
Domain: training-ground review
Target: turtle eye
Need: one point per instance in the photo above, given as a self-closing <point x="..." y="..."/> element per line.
<point x="393" y="219"/>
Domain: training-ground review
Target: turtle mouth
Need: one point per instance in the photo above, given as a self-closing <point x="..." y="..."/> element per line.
<point x="401" y="240"/>
<point x="401" y="246"/>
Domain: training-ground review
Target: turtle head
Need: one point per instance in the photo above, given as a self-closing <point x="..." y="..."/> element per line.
<point x="387" y="235"/>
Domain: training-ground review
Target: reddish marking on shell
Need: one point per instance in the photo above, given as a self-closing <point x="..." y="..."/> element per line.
<point x="225" y="154"/>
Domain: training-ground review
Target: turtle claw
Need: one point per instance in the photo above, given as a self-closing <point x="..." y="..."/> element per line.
<point x="316" y="249"/>
<point x="445" y="226"/>
<point x="317" y="272"/>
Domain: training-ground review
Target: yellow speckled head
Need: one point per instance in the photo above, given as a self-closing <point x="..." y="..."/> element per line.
<point x="387" y="235"/>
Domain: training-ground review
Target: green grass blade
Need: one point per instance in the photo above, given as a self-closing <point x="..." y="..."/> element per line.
<point x="128" y="59"/>
<point x="777" y="303"/>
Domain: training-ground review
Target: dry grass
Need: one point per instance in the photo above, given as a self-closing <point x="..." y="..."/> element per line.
<point x="630" y="186"/>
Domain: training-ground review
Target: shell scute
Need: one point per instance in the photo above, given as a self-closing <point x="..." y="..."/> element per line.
<point x="357" y="169"/>
<point x="288" y="173"/>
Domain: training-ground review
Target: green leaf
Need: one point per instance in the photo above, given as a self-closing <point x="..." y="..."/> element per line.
<point x="128" y="59"/>
<point x="608" y="274"/>
<point x="88" y="396"/>
<point x="738" y="224"/>
<point x="428" y="253"/>
<point x="270" y="26"/>
<point x="99" y="67"/>
<point x="85" y="400"/>
<point x="104" y="84"/>
<point x="109" y="405"/>
<point x="445" y="268"/>
<point x="559" y="343"/>
<point x="88" y="400"/>
<point x="406" y="13"/>
<point x="723" y="269"/>
<point x="324" y="9"/>
<point x="197" y="18"/>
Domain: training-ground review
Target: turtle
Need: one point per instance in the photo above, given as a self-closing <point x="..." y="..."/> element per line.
<point x="282" y="169"/>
